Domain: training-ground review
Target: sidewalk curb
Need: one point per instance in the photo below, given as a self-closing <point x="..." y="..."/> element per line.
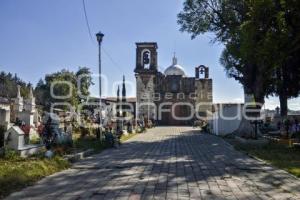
<point x="79" y="156"/>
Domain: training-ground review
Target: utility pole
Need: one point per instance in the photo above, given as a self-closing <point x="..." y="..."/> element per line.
<point x="99" y="39"/>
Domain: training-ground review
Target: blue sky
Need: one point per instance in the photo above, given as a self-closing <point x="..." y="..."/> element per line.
<point x="43" y="36"/>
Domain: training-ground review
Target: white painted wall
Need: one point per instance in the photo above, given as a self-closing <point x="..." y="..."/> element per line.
<point x="14" y="138"/>
<point x="226" y="118"/>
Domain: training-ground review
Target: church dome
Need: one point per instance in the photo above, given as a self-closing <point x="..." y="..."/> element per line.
<point x="174" y="69"/>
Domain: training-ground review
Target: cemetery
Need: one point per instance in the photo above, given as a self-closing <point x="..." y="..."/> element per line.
<point x="44" y="143"/>
<point x="36" y="142"/>
<point x="277" y="142"/>
<point x="210" y="108"/>
<point x="32" y="138"/>
<point x="227" y="118"/>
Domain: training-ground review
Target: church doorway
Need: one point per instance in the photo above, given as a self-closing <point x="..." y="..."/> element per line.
<point x="179" y="111"/>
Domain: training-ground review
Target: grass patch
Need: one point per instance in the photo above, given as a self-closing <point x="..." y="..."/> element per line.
<point x="89" y="142"/>
<point x="17" y="173"/>
<point x="279" y="155"/>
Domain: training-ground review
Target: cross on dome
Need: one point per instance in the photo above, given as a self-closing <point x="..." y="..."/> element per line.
<point x="174" y="59"/>
<point x="174" y="69"/>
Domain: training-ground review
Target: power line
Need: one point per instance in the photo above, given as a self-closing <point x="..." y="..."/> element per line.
<point x="93" y="41"/>
<point x="112" y="60"/>
<point x="87" y="21"/>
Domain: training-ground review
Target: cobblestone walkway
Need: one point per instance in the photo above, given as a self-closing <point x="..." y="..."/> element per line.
<point x="168" y="163"/>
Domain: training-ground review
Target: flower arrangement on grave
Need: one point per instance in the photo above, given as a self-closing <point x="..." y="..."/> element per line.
<point x="25" y="129"/>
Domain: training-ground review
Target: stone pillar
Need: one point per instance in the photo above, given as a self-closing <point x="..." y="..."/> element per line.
<point x="18" y="101"/>
<point x="145" y="95"/>
<point x="30" y="103"/>
<point x="204" y="96"/>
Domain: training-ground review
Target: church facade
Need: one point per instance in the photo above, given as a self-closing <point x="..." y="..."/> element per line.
<point x="170" y="97"/>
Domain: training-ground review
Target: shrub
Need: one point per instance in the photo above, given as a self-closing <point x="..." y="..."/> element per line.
<point x="87" y="131"/>
<point x="35" y="140"/>
<point x="11" y="154"/>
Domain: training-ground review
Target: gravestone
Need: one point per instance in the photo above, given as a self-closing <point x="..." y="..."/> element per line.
<point x="27" y="113"/>
<point x="18" y="104"/>
<point x="14" y="139"/>
<point x="4" y="117"/>
<point x="29" y="104"/>
<point x="61" y="136"/>
<point x="4" y="113"/>
<point x="26" y="117"/>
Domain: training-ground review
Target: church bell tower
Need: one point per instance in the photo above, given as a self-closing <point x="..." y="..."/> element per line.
<point x="146" y="57"/>
<point x="145" y="72"/>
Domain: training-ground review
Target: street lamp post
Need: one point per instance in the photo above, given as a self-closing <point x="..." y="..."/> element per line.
<point x="99" y="39"/>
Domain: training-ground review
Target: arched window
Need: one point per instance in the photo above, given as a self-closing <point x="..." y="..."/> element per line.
<point x="203" y="71"/>
<point x="146" y="58"/>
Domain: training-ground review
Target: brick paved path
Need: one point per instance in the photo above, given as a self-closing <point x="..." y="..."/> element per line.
<point x="168" y="163"/>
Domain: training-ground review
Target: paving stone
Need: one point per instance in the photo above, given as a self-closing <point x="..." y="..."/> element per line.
<point x="167" y="163"/>
<point x="171" y="196"/>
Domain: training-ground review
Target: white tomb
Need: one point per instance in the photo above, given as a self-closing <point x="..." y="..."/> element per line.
<point x="25" y="110"/>
<point x="15" y="139"/>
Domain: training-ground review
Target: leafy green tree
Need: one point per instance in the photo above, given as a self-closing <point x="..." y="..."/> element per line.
<point x="274" y="25"/>
<point x="261" y="41"/>
<point x="232" y="25"/>
<point x="63" y="83"/>
<point x="228" y="20"/>
<point x="8" y="86"/>
<point x="84" y="79"/>
<point x="284" y="40"/>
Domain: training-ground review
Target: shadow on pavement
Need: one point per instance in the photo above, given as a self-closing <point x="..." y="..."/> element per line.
<point x="167" y="163"/>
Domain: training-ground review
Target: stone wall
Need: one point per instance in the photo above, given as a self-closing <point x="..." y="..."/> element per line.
<point x="145" y="95"/>
<point x="204" y="91"/>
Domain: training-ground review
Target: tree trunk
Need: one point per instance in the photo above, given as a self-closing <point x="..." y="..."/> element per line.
<point x="283" y="105"/>
<point x="246" y="129"/>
